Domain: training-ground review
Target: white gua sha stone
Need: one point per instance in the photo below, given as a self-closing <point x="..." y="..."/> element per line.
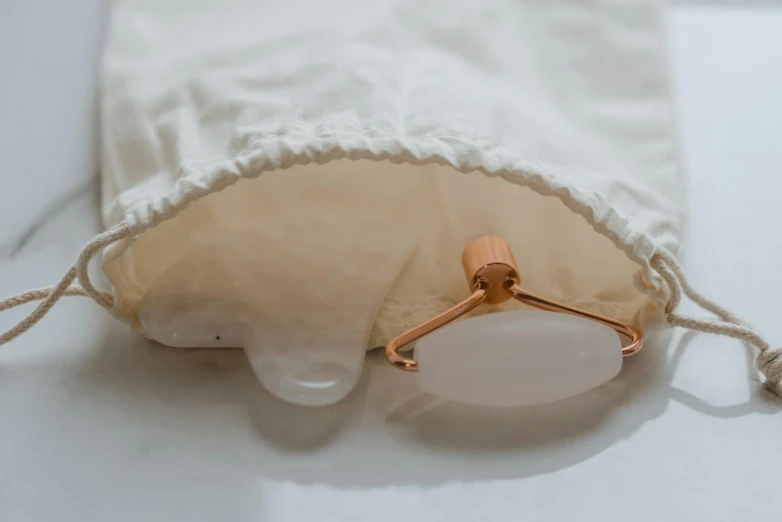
<point x="512" y="358"/>
<point x="517" y="358"/>
<point x="281" y="355"/>
<point x="300" y="309"/>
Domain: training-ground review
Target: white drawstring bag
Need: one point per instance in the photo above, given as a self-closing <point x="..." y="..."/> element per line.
<point x="299" y="178"/>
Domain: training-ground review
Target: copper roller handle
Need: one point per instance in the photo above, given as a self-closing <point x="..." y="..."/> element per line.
<point x="636" y="341"/>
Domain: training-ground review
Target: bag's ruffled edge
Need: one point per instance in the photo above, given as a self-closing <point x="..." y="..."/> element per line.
<point x="282" y="152"/>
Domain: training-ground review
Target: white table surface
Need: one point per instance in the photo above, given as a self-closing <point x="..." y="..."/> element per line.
<point x="98" y="424"/>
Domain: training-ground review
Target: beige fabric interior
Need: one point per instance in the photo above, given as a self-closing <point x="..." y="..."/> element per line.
<point x="306" y="246"/>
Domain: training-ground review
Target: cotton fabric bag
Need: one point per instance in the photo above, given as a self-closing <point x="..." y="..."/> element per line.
<point x="299" y="178"/>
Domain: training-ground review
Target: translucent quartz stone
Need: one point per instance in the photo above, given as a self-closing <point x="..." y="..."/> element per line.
<point x="299" y="360"/>
<point x="517" y="358"/>
<point x="300" y="308"/>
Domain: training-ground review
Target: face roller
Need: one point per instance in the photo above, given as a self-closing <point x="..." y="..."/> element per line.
<point x="512" y="358"/>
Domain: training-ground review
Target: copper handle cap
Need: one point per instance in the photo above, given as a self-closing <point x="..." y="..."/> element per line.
<point x="489" y="259"/>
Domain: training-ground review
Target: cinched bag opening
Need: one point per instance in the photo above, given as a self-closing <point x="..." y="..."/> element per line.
<point x="306" y="267"/>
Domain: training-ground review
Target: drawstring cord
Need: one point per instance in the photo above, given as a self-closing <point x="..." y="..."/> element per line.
<point x="768" y="360"/>
<point x="52" y="294"/>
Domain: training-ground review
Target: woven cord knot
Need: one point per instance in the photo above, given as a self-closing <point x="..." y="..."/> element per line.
<point x="769" y="363"/>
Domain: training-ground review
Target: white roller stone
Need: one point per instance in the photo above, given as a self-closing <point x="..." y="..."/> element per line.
<point x="517" y="358"/>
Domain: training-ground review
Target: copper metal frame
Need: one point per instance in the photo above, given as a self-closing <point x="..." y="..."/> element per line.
<point x="493" y="278"/>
